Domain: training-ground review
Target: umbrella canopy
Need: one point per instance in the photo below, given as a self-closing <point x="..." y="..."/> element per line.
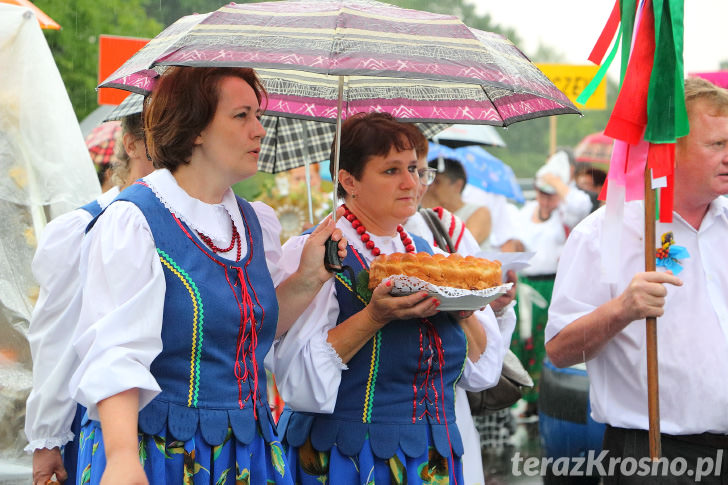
<point x="102" y="140"/>
<point x="594" y="148"/>
<point x="463" y="135"/>
<point x="483" y="169"/>
<point x="416" y="65"/>
<point x="43" y="19"/>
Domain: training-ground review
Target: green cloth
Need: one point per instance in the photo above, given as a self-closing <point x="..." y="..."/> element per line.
<point x="667" y="117"/>
<point x="531" y="351"/>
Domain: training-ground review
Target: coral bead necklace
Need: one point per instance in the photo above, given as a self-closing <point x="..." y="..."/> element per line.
<point x="235" y="239"/>
<point x="366" y="238"/>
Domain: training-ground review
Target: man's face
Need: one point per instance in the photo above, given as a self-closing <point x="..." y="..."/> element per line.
<point x="702" y="157"/>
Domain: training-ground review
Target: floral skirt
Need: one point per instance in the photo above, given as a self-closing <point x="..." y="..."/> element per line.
<point x="170" y="462"/>
<point x="314" y="467"/>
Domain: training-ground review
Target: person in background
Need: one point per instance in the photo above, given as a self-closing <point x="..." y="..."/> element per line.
<point x="50" y="424"/>
<point x="543" y="225"/>
<point x="446" y="191"/>
<point x="603" y="323"/>
<point x="465" y="244"/>
<point x="179" y="301"/>
<point x="590" y="179"/>
<point x="371" y="378"/>
<point x="105" y="171"/>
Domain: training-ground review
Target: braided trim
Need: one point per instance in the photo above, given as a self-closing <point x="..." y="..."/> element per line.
<point x="197" y="324"/>
<point x="372" y="380"/>
<point x="344" y="280"/>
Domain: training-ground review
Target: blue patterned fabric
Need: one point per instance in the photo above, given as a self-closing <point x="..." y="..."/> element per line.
<point x="395" y="403"/>
<point x="220" y="317"/>
<point x="167" y="461"/>
<point x="70" y="449"/>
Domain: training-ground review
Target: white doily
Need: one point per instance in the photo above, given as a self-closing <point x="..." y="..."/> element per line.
<point x="450" y="298"/>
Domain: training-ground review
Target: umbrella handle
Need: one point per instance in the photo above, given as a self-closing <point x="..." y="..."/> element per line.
<point x="332" y="261"/>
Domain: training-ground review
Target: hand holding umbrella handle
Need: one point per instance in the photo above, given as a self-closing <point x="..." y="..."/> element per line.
<point x="332" y="261"/>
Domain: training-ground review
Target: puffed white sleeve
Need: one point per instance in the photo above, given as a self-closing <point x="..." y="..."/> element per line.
<point x="485" y="373"/>
<point x="306" y="366"/>
<point x="49" y="409"/>
<point x="271" y="229"/>
<point x="119" y="329"/>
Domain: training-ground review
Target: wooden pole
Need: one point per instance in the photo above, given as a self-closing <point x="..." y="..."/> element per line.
<point x="653" y="392"/>
<point x="552" y="135"/>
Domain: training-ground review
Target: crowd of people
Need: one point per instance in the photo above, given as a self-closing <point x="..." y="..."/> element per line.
<point x="164" y="301"/>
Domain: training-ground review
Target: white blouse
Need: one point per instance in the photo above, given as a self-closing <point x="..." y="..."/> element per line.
<point x="119" y="329"/>
<point x="692" y="334"/>
<point x="49" y="410"/>
<point x="308" y="369"/>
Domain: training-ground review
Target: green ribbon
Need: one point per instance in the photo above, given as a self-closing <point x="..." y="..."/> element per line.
<point x="666" y="113"/>
<point x="628" y="10"/>
<point x="601" y="72"/>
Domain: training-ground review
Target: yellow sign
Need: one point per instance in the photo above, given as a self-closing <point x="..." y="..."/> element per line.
<point x="572" y="79"/>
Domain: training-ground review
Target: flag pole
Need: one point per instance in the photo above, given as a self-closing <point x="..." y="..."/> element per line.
<point x="653" y="391"/>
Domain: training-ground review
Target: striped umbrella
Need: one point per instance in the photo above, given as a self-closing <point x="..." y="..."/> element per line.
<point x="328" y="59"/>
<point x="419" y="66"/>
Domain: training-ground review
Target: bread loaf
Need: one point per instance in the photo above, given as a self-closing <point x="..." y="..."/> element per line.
<point x="453" y="270"/>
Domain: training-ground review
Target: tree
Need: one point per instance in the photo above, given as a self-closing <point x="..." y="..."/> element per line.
<point x="75" y="47"/>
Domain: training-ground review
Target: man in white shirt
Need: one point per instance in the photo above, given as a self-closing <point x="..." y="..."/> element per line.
<point x="603" y="323"/>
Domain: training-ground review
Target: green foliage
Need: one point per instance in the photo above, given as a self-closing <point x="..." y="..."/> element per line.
<point x="528" y="141"/>
<point x="252" y="188"/>
<point x="75" y="47"/>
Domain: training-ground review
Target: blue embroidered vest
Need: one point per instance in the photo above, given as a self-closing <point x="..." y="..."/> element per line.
<point x="399" y="389"/>
<point x="220" y="318"/>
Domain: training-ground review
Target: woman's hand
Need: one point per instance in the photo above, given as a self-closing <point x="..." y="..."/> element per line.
<point x="384" y="307"/>
<point x="47" y="462"/>
<point x="505" y="299"/>
<point x="311" y="266"/>
<point x="300" y="288"/>
<point x="474" y="332"/>
<point x="124" y="467"/>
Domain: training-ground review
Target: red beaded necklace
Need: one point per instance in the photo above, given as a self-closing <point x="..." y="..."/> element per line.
<point x="235" y="238"/>
<point x="366" y="238"/>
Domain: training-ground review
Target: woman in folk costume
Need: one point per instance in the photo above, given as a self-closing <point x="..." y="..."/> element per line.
<point x="180" y="299"/>
<point x="52" y="418"/>
<point x="371" y="379"/>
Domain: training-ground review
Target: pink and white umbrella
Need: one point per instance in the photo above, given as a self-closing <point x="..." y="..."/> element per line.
<point x="419" y="66"/>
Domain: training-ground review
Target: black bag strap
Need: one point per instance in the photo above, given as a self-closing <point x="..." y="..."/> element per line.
<point x="442" y="238"/>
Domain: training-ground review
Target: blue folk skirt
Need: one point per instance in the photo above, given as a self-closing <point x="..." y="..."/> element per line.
<point x="312" y="467"/>
<point x="170" y="462"/>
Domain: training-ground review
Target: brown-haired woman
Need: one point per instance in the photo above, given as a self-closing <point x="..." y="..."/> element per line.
<point x="180" y="298"/>
<point x="371" y="381"/>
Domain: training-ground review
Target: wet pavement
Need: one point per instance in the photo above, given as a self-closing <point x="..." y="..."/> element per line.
<point x="499" y="465"/>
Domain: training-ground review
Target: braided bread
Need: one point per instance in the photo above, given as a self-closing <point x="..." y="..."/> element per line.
<point x="453" y="270"/>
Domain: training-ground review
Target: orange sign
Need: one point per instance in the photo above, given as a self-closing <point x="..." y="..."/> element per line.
<point x="114" y="50"/>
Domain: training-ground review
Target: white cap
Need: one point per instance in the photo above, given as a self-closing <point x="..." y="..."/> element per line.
<point x="557" y="164"/>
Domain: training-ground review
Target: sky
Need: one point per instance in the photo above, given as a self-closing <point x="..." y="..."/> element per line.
<point x="571" y="27"/>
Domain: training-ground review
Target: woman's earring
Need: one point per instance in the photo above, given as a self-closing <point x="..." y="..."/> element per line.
<point x="353" y="196"/>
